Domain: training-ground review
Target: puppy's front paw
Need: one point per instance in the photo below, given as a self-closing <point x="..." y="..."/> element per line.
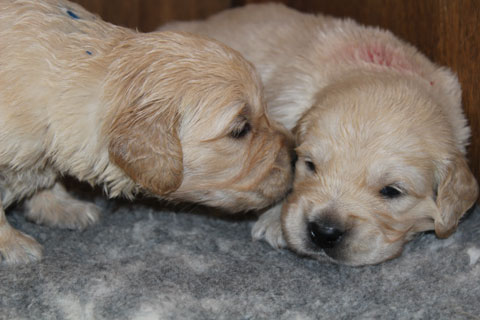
<point x="57" y="208"/>
<point x="269" y="228"/>
<point x="17" y="247"/>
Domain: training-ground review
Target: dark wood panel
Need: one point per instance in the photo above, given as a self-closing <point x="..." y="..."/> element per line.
<point x="458" y="47"/>
<point x="155" y="12"/>
<point x="123" y="13"/>
<point x="146" y="15"/>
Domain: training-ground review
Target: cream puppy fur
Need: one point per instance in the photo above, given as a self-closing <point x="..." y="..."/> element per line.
<point x="380" y="132"/>
<point x="170" y="115"/>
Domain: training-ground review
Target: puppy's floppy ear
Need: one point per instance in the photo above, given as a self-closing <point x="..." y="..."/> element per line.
<point x="145" y="144"/>
<point x="457" y="192"/>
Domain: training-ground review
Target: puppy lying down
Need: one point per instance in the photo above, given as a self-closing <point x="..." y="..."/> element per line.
<point x="167" y="114"/>
<point x="379" y="129"/>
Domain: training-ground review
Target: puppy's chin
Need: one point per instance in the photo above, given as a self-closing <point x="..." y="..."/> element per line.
<point x="230" y="201"/>
<point x="359" y="251"/>
<point x="352" y="251"/>
<point x="259" y="189"/>
<point x="271" y="190"/>
<point x="357" y="246"/>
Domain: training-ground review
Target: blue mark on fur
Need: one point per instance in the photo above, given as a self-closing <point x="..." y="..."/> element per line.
<point x="89" y="52"/>
<point x="72" y="14"/>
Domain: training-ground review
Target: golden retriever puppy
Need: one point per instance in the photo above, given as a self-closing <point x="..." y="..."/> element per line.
<point x="379" y="129"/>
<point x="171" y="115"/>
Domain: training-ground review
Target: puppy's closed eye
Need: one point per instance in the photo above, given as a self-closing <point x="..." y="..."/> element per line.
<point x="241" y="130"/>
<point x="391" y="192"/>
<point x="305" y="161"/>
<point x="310" y="165"/>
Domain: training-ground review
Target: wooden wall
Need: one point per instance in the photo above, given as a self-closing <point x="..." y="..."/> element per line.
<point x="146" y="15"/>
<point x="447" y="31"/>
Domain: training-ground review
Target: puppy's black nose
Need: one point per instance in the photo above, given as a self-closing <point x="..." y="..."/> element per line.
<point x="325" y="236"/>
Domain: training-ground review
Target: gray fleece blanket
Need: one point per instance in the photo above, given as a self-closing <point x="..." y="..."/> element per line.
<point x="145" y="261"/>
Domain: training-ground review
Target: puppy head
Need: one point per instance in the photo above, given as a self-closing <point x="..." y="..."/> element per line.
<point x="378" y="162"/>
<point x="188" y="123"/>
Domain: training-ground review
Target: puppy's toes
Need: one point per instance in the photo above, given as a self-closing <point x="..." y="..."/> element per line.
<point x="57" y="208"/>
<point x="17" y="247"/>
<point x="79" y="216"/>
<point x="269" y="228"/>
<point x="74" y="215"/>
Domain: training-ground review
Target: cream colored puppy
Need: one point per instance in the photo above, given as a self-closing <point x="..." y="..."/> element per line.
<point x="380" y="132"/>
<point x="171" y="115"/>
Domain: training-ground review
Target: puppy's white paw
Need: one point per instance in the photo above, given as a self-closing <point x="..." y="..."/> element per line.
<point x="17" y="247"/>
<point x="269" y="228"/>
<point x="55" y="207"/>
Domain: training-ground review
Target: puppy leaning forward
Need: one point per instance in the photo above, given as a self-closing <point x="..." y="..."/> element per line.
<point x="166" y="114"/>
<point x="380" y="132"/>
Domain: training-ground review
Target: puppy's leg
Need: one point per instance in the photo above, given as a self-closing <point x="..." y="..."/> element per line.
<point x="15" y="246"/>
<point x="269" y="227"/>
<point x="55" y="207"/>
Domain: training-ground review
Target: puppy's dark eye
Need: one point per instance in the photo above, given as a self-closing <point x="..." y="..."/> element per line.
<point x="390" y="192"/>
<point x="242" y="131"/>
<point x="310" y="165"/>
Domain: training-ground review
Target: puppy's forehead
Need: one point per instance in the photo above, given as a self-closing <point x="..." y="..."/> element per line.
<point x="239" y="94"/>
<point x="375" y="114"/>
<point x="380" y="133"/>
<point x="353" y="136"/>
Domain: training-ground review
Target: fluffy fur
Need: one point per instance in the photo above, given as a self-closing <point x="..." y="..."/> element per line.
<point x="380" y="132"/>
<point x="168" y="114"/>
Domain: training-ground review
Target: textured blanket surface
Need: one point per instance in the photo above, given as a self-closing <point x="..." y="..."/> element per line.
<point x="143" y="261"/>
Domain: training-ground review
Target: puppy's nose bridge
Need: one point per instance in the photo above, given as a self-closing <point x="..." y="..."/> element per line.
<point x="324" y="235"/>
